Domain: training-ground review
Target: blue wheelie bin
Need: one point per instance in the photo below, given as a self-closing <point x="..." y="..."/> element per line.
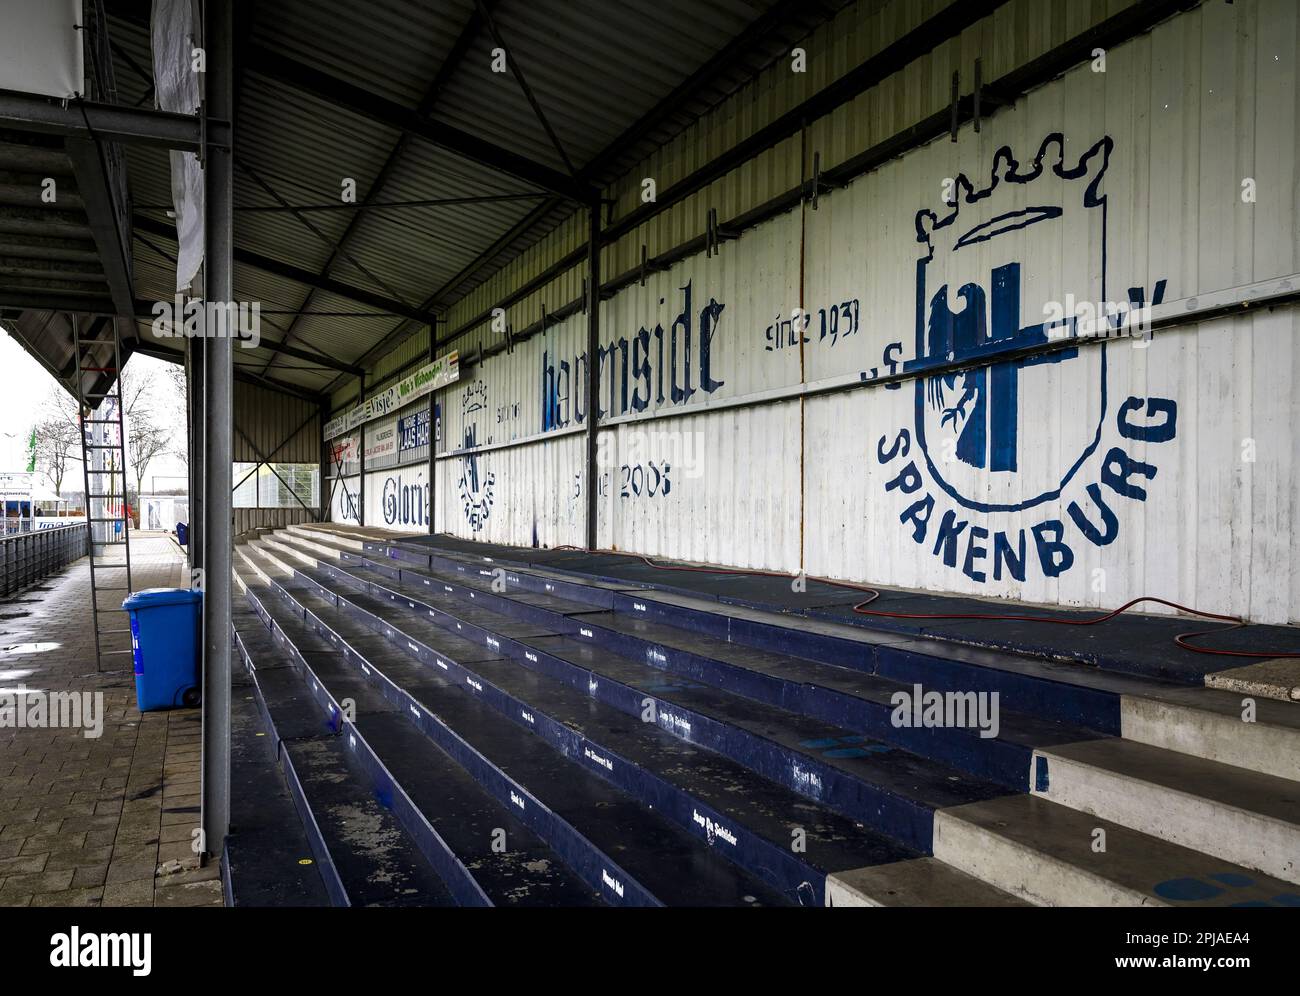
<point x="183" y="533"/>
<point x="166" y="630"/>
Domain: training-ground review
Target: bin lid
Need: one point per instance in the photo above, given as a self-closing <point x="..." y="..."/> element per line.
<point x="148" y="597"/>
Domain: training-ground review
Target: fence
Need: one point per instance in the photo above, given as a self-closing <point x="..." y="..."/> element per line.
<point x="25" y="558"/>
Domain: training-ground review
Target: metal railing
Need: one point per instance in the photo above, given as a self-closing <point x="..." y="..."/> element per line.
<point x="25" y="558"/>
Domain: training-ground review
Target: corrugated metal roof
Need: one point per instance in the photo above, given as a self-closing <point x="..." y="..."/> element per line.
<point x="595" y="68"/>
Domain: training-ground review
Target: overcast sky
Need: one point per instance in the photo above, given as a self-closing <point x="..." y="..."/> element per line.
<point x="24" y="386"/>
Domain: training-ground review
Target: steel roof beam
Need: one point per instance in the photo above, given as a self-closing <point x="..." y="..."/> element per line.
<point x="459" y="48"/>
<point x="108" y="122"/>
<point x="759" y="31"/>
<point x="106" y="216"/>
<point x="305" y="277"/>
<point x="517" y="70"/>
<point x="289" y="72"/>
<point x="47" y="300"/>
<point x="144" y="313"/>
<point x="172" y="356"/>
<point x="938" y="29"/>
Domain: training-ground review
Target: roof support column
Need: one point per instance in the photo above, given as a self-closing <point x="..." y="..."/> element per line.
<point x="433" y="443"/>
<point x="198" y="419"/>
<point x="361" y="454"/>
<point x="324" y="500"/>
<point x="593" y="366"/>
<point x="219" y="377"/>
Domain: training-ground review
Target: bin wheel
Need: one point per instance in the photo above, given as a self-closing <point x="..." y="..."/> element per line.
<point x="192" y="697"/>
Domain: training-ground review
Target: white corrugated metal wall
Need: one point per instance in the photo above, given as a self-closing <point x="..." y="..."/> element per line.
<point x="1086" y="477"/>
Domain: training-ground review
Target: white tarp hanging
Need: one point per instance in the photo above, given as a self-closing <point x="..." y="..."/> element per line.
<point x="40" y="47"/>
<point x="177" y="87"/>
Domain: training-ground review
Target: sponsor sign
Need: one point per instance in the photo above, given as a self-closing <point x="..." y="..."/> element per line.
<point x="381" y="442"/>
<point x="441" y="372"/>
<point x="413" y="431"/>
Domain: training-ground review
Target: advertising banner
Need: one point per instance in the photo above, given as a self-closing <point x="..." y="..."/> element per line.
<point x="413" y="431"/>
<point x="441" y="372"/>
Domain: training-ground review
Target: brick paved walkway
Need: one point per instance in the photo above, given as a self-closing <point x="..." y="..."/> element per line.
<point x="96" y="821"/>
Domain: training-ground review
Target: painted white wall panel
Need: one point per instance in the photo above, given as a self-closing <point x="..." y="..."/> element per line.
<point x="1164" y="467"/>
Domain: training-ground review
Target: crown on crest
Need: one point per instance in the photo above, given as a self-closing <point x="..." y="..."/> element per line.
<point x="1050" y="161"/>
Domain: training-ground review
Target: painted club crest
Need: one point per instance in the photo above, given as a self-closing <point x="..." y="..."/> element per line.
<point x="996" y="258"/>
<point x="477" y="485"/>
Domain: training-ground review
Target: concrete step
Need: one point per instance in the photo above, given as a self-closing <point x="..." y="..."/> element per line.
<point x="918" y="882"/>
<point x="443" y="812"/>
<point x="1050" y="855"/>
<point x="1260" y="734"/>
<point x="359" y="847"/>
<point x="893" y="791"/>
<point x="446" y="812"/>
<point x="1242" y="816"/>
<point x="1242" y="730"/>
<point x="268" y="858"/>
<point x="788" y="840"/>
<point x="861" y="703"/>
<point x="642" y="758"/>
<point x="578" y="813"/>
<point x="1028" y="687"/>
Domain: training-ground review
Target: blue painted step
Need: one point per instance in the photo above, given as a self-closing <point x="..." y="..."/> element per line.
<point x="452" y="820"/>
<point x="849" y="697"/>
<point x="1027" y="687"/>
<point x="1134" y="642"/>
<point x="267" y="860"/>
<point x="377" y="867"/>
<point x="890" y="790"/>
<point x="587" y="821"/>
<point x="789" y="841"/>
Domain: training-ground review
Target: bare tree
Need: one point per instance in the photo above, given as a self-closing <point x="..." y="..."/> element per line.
<point x="174" y="377"/>
<point x="56" y="441"/>
<point x="144" y="441"/>
<point x="58" y="436"/>
<point x="148" y="422"/>
<point x="136" y="389"/>
<point x="146" y="436"/>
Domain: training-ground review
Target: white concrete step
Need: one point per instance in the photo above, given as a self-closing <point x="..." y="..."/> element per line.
<point x="1048" y="855"/>
<point x="326" y="546"/>
<point x="1246" y="731"/>
<point x="350" y="536"/>
<point x="258" y="566"/>
<point x="1234" y="814"/>
<point x="919" y="882"/>
<point x="284" y="553"/>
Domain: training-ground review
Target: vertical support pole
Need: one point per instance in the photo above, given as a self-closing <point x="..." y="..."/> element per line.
<point x="323" y="512"/>
<point x="219" y="378"/>
<point x="198" y="420"/>
<point x="593" y="365"/>
<point x="361" y="455"/>
<point x="433" y="443"/>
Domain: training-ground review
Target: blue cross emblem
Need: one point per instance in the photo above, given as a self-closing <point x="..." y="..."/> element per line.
<point x="987" y="407"/>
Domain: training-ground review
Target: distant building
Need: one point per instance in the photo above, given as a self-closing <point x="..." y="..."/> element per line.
<point x="29" y="504"/>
